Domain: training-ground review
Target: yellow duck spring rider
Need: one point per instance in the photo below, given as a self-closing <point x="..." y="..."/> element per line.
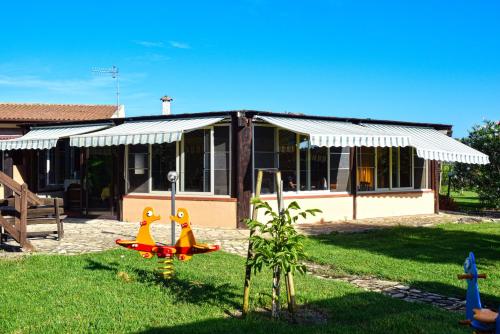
<point x="184" y="249"/>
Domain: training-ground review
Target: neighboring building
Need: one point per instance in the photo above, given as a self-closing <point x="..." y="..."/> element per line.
<point x="349" y="168"/>
<point x="16" y="118"/>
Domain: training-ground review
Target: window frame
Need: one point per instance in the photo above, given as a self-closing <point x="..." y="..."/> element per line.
<point x="297" y="164"/>
<point x="179" y="156"/>
<point x="391" y="188"/>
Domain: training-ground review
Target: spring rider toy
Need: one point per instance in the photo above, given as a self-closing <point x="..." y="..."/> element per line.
<point x="479" y="319"/>
<point x="184" y="249"/>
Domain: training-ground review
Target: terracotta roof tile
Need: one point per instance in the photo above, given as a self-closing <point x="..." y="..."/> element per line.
<point x="27" y="112"/>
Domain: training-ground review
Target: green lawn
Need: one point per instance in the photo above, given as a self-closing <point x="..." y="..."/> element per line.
<point x="426" y="258"/>
<point x="466" y="200"/>
<point x="90" y="293"/>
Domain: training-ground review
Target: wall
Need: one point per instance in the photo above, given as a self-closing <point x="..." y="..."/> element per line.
<point x="204" y="211"/>
<point x="395" y="204"/>
<point x="334" y="207"/>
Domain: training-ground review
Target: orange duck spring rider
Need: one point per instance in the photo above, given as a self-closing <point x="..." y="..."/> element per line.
<point x="184" y="249"/>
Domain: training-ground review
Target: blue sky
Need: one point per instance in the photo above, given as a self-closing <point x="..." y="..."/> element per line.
<point x="428" y="61"/>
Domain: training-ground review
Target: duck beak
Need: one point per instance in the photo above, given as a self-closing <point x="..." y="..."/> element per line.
<point x="155" y="218"/>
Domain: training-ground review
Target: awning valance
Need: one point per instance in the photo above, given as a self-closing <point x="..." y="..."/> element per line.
<point x="434" y="145"/>
<point x="339" y="134"/>
<point x="143" y="132"/>
<point x="44" y="138"/>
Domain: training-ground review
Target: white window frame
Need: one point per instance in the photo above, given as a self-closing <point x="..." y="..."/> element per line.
<point x="179" y="157"/>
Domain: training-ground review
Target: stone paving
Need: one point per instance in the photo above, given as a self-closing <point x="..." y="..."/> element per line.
<point x="94" y="235"/>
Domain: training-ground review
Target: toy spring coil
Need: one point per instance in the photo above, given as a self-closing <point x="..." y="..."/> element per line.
<point x="166" y="269"/>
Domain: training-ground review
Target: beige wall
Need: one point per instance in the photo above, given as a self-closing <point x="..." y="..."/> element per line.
<point x="333" y="208"/>
<point x="395" y="204"/>
<point x="209" y="212"/>
<point x="221" y="212"/>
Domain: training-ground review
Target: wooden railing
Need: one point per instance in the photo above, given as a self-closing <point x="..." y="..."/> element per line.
<point x="22" y="197"/>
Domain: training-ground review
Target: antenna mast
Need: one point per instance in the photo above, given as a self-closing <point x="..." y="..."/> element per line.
<point x="115" y="74"/>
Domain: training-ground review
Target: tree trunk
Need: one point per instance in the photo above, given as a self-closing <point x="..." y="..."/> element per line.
<point x="276" y="293"/>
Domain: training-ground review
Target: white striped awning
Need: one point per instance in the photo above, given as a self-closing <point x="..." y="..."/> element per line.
<point x="143" y="132"/>
<point x="46" y="137"/>
<point x="339" y="134"/>
<point x="435" y="145"/>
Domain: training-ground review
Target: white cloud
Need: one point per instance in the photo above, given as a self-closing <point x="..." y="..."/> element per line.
<point x="150" y="44"/>
<point x="179" y="45"/>
<point x="54" y="85"/>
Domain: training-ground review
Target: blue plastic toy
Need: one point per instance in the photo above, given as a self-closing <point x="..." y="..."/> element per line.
<point x="473" y="300"/>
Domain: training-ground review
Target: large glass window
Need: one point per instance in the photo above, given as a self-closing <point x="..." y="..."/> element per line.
<point x="405" y="166"/>
<point x="195" y="175"/>
<point x="339" y="169"/>
<point x="163" y="161"/>
<point x="383" y="167"/>
<point x="366" y="168"/>
<point x="318" y="168"/>
<point x="264" y="155"/>
<point x="420" y="172"/>
<point x="222" y="160"/>
<point x="52" y="165"/>
<point x="287" y="155"/>
<point x="138" y="168"/>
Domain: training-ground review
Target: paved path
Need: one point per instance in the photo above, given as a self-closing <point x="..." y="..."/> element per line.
<point x="94" y="235"/>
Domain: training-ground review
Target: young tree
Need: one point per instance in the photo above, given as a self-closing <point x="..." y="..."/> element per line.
<point x="485" y="178"/>
<point x="277" y="245"/>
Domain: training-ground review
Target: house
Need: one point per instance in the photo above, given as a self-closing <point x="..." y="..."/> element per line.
<point x="348" y="167"/>
<point x="17" y="118"/>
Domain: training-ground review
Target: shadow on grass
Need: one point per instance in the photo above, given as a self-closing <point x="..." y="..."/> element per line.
<point x="428" y="245"/>
<point x="363" y="312"/>
<point x="183" y="290"/>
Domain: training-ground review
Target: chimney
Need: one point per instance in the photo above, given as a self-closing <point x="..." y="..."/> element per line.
<point x="165" y="105"/>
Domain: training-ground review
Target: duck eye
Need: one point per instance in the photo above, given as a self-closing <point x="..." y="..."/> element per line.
<point x="149" y="213"/>
<point x="180" y="214"/>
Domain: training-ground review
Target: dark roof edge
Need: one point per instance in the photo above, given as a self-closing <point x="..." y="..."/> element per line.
<point x="250" y="113"/>
<point x="350" y="119"/>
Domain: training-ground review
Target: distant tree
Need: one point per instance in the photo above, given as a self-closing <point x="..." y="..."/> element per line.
<point x="485" y="179"/>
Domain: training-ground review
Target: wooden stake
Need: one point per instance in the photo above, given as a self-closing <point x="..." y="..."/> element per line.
<point x="248" y="269"/>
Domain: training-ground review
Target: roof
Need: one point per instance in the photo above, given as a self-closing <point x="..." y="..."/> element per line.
<point x="253" y="113"/>
<point x="38" y="112"/>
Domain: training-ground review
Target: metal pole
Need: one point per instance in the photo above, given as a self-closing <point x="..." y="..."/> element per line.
<point x="172" y="210"/>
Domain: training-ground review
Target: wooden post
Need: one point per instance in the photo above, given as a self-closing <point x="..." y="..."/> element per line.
<point x="60" y="231"/>
<point x="242" y="153"/>
<point x="248" y="269"/>
<point x="8" y="169"/>
<point x="22" y="207"/>
<point x="354" y="181"/>
<point x="435" y="183"/>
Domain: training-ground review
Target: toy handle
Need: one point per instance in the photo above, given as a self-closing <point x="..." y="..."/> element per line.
<point x="470" y="276"/>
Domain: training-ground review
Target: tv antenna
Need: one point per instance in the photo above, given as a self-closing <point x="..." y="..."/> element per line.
<point x="115" y="74"/>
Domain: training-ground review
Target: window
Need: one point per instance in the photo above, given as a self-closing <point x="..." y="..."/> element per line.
<point x="405" y="166"/>
<point x="264" y="155"/>
<point x="287" y="159"/>
<point x="366" y="168"/>
<point x="222" y="160"/>
<point x="195" y="168"/>
<point x="1" y="160"/>
<point x="339" y="169"/>
<point x="276" y="148"/>
<point x="138" y="168"/>
<point x="163" y="161"/>
<point x="52" y="166"/>
<point x="383" y="167"/>
<point x="313" y="166"/>
<point x="395" y="168"/>
<point x="420" y="172"/>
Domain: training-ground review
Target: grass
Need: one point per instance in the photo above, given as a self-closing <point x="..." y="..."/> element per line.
<point x="116" y="292"/>
<point x="466" y="200"/>
<point x="426" y="258"/>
